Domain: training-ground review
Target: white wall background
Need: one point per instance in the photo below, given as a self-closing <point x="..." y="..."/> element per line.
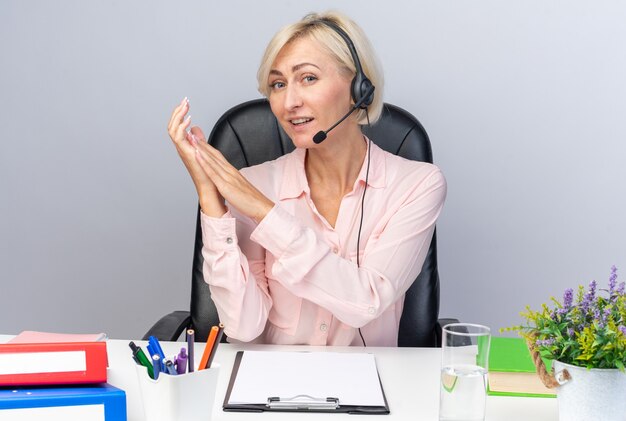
<point x="524" y="101"/>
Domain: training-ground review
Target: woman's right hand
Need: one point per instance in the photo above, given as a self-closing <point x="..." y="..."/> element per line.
<point x="184" y="141"/>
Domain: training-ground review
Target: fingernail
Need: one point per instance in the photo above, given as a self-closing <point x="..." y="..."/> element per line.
<point x="194" y="141"/>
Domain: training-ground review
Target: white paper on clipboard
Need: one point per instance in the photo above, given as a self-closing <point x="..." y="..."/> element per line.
<point x="350" y="377"/>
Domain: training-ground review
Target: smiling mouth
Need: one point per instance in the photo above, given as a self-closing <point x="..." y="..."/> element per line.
<point x="300" y="121"/>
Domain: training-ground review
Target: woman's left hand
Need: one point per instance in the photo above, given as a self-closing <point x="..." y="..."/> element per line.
<point x="231" y="184"/>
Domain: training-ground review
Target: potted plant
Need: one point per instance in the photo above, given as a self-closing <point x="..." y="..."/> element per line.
<point x="586" y="339"/>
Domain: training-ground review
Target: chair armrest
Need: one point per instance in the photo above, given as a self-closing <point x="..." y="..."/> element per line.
<point x="439" y="329"/>
<point x="170" y="326"/>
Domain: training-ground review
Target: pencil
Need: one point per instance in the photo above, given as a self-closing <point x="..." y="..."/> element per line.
<point x="190" y="342"/>
<point x="220" y="332"/>
<point x="208" y="347"/>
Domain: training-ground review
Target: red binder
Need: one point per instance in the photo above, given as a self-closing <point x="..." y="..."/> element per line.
<point x="53" y="363"/>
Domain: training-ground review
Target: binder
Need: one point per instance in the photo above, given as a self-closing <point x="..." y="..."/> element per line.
<point x="101" y="402"/>
<point x="53" y="363"/>
<point x="330" y="382"/>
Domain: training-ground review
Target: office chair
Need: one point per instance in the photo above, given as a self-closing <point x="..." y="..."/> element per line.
<point x="249" y="134"/>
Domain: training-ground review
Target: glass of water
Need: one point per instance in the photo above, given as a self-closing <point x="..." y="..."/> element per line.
<point x="464" y="367"/>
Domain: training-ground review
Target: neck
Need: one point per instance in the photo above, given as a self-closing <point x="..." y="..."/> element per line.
<point x="336" y="162"/>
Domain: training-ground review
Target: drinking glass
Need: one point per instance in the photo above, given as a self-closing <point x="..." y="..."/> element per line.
<point x="464" y="367"/>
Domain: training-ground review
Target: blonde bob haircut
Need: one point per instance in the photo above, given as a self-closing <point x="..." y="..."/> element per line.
<point x="312" y="26"/>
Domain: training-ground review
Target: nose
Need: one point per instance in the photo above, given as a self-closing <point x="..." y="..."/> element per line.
<point x="293" y="97"/>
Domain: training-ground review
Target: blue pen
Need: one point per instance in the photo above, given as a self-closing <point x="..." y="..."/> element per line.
<point x="169" y="367"/>
<point x="156" y="363"/>
<point x="156" y="347"/>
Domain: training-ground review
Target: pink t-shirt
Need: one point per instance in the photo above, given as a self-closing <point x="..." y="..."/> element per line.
<point x="293" y="278"/>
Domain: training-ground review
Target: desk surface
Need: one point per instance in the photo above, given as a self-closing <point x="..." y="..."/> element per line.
<point x="410" y="378"/>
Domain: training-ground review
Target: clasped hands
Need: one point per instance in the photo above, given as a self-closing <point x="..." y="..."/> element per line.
<point x="214" y="177"/>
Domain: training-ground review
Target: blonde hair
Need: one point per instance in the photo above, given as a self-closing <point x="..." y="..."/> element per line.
<point x="313" y="26"/>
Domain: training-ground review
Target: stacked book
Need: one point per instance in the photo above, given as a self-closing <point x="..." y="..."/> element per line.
<point x="57" y="377"/>
<point x="512" y="371"/>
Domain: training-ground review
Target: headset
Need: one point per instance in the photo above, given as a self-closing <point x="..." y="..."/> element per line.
<point x="361" y="88"/>
<point x="362" y="92"/>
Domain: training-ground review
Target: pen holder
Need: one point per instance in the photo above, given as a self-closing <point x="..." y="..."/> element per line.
<point x="187" y="397"/>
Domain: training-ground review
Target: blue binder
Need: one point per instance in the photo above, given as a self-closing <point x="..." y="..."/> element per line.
<point x="23" y="398"/>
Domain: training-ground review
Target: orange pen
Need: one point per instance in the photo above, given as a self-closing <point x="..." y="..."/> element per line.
<point x="218" y="339"/>
<point x="210" y="343"/>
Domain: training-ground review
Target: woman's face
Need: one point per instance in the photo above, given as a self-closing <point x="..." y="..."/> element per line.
<point x="308" y="92"/>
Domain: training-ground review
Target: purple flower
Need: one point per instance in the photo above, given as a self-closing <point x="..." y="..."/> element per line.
<point x="606" y="315"/>
<point x="620" y="288"/>
<point x="612" y="280"/>
<point x="570" y="332"/>
<point x="568" y="297"/>
<point x="589" y="297"/>
<point x="623" y="330"/>
<point x="545" y="342"/>
<point x="596" y="314"/>
<point x="592" y="289"/>
<point x="601" y="316"/>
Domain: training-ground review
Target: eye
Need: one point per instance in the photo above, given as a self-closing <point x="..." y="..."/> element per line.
<point x="277" y="85"/>
<point x="309" y="79"/>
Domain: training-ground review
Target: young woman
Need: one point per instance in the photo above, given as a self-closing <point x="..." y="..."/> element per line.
<point x="292" y="256"/>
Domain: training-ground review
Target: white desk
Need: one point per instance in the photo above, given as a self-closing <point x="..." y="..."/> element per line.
<point x="410" y="378"/>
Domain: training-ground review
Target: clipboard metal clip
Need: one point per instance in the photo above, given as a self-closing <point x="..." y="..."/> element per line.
<point x="303" y="402"/>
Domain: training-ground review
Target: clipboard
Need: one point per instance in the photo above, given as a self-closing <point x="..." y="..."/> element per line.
<point x="301" y="381"/>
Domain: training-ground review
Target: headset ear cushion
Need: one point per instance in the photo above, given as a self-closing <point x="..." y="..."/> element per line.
<point x="360" y="85"/>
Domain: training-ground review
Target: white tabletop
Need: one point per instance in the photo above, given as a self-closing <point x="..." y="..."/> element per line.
<point x="410" y="378"/>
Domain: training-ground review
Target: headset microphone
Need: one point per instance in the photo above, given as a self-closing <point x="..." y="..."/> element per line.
<point x="321" y="135"/>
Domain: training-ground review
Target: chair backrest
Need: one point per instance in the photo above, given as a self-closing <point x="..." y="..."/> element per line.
<point x="249" y="134"/>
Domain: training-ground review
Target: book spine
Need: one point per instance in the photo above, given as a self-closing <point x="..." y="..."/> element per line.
<point x="53" y="363"/>
<point x="104" y="403"/>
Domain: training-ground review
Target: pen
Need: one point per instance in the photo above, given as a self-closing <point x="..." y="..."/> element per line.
<point x="181" y="361"/>
<point x="156" y="362"/>
<point x="220" y="332"/>
<point x="169" y="367"/>
<point x="141" y="357"/>
<point x="208" y="347"/>
<point x="156" y="347"/>
<point x="190" y="342"/>
<point x="151" y="350"/>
